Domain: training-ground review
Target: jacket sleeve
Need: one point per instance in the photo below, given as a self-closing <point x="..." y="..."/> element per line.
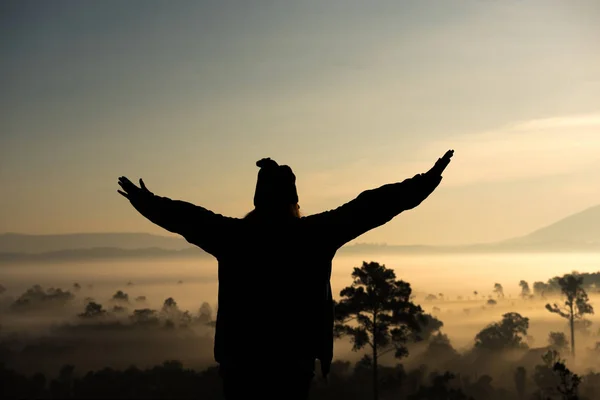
<point x="373" y="208"/>
<point x="196" y="224"/>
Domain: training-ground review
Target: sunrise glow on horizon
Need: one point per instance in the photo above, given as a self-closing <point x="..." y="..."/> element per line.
<point x="351" y="95"/>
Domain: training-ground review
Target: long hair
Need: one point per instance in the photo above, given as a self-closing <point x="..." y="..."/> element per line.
<point x="292" y="210"/>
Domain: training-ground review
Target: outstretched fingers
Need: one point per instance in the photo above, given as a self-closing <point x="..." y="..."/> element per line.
<point x="130" y="190"/>
<point x="128" y="187"/>
<point x="441" y="163"/>
<point x="143" y="185"/>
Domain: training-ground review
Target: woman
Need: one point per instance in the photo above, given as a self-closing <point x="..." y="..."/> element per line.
<point x="275" y="315"/>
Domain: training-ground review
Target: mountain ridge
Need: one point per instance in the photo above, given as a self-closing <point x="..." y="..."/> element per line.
<point x="577" y="232"/>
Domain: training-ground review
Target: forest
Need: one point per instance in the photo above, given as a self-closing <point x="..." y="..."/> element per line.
<point x="66" y="343"/>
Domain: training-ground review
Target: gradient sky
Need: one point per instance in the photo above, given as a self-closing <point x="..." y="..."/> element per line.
<point x="351" y="94"/>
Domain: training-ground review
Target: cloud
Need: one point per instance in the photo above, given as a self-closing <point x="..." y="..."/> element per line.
<point x="579" y="121"/>
<point x="521" y="151"/>
<point x="526" y="150"/>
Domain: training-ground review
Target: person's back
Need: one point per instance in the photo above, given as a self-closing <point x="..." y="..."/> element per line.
<point x="271" y="317"/>
<point x="275" y="307"/>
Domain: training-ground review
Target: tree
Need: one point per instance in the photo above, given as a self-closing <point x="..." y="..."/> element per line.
<point x="554" y="379"/>
<point x="205" y="313"/>
<point x="525" y="291"/>
<point x="576" y="304"/>
<point x="120" y="296"/>
<point x="439" y="348"/>
<point x="93" y="310"/>
<point x="520" y="381"/>
<point x="383" y="315"/>
<point x="169" y="305"/>
<point x="37" y="297"/>
<point x="491" y="302"/>
<point x="117" y="309"/>
<point x="569" y="381"/>
<point x="499" y="290"/>
<point x="558" y="341"/>
<point x="170" y="311"/>
<point x="440" y="389"/>
<point x="428" y="326"/>
<point x="144" y="317"/>
<point x="504" y="335"/>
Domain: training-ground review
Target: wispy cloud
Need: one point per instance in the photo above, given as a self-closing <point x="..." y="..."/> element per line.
<point x="577" y="121"/>
<point x="522" y="151"/>
<point x="526" y="150"/>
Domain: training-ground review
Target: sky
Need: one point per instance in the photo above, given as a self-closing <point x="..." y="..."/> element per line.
<point x="188" y="95"/>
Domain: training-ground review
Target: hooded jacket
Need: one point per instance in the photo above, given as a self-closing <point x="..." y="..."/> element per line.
<point x="274" y="302"/>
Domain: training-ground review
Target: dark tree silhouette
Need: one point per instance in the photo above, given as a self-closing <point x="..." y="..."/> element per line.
<point x="36" y="297"/>
<point x="558" y="341"/>
<point x="169" y="304"/>
<point x="576" y="304"/>
<point x="205" y="313"/>
<point x="140" y="299"/>
<point x="540" y="289"/>
<point x="440" y="348"/>
<point x="499" y="290"/>
<point x="171" y="313"/>
<point x="117" y="309"/>
<point x="491" y="302"/>
<point x="120" y="296"/>
<point x="520" y="381"/>
<point x="93" y="310"/>
<point x="554" y="379"/>
<point x="569" y="381"/>
<point x="428" y="327"/>
<point x="145" y="317"/>
<point x="525" y="291"/>
<point x="382" y="311"/>
<point x="504" y="335"/>
<point x="440" y="389"/>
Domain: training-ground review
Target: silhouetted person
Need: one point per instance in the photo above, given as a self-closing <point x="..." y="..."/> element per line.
<point x="275" y="314"/>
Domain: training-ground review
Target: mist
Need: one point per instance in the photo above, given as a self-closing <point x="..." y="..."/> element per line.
<point x="44" y="338"/>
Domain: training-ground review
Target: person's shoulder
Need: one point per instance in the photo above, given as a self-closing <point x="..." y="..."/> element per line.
<point x="315" y="223"/>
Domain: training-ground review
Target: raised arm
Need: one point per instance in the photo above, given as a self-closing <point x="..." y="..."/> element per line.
<point x="196" y="224"/>
<point x="375" y="207"/>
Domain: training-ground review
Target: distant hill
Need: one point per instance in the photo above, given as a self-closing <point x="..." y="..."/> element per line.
<point x="578" y="232"/>
<point x="580" y="229"/>
<point x="100" y="253"/>
<point x="22" y="243"/>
